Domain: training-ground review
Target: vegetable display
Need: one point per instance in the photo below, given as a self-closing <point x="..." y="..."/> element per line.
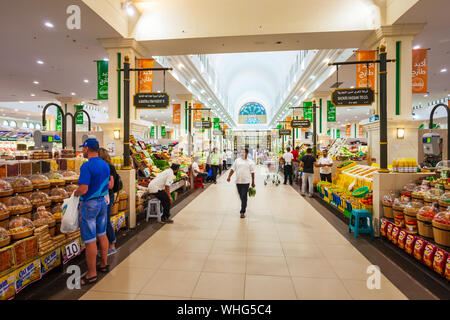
<point x="251" y="192"/>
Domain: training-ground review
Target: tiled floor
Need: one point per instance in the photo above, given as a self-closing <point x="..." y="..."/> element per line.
<point x="284" y="249"/>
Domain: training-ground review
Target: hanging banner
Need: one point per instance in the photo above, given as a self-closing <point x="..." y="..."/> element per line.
<point x="163" y="131"/>
<point x="419" y="71"/>
<point x="152" y="131"/>
<point x="197" y="114"/>
<point x="361" y="130"/>
<point x="308" y="111"/>
<point x="176" y="119"/>
<point x="58" y="121"/>
<point x="364" y="74"/>
<point x="79" y="119"/>
<point x="102" y="80"/>
<point x="216" y="122"/>
<point x="348" y="130"/>
<point x="331" y="112"/>
<point x="338" y="133"/>
<point x="145" y="78"/>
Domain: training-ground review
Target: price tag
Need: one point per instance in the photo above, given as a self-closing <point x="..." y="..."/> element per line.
<point x="72" y="250"/>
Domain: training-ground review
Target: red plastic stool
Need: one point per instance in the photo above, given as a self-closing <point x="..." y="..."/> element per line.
<point x="198" y="182"/>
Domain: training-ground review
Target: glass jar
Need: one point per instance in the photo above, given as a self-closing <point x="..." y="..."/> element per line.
<point x="12" y="168"/>
<point x="45" y="166"/>
<point x="58" y="194"/>
<point x="39" y="199"/>
<point x="3" y="169"/>
<point x="36" y="167"/>
<point x="25" y="168"/>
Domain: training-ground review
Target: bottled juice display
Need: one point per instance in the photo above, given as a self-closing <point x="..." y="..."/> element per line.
<point x="394" y="166"/>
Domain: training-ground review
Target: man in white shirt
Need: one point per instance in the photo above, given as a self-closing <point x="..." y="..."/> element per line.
<point x="245" y="173"/>
<point x="196" y="170"/>
<point x="288" y="157"/>
<point x="160" y="188"/>
<point x="325" y="163"/>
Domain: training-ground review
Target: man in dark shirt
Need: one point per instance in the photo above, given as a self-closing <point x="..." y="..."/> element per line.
<point x="307" y="163"/>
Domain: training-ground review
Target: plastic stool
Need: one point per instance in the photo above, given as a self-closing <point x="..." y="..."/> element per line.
<point x="153" y="207"/>
<point x="198" y="182"/>
<point x="360" y="222"/>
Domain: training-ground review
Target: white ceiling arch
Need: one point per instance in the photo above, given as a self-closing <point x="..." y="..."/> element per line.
<point x="252" y="77"/>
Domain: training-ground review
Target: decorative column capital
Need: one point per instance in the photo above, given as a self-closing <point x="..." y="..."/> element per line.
<point x="69" y="100"/>
<point x="321" y="95"/>
<point x="123" y="43"/>
<point x="397" y="30"/>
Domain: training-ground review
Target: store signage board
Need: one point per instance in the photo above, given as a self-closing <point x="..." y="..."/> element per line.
<point x="300" y="123"/>
<point x="352" y="97"/>
<point x="152" y="131"/>
<point x="308" y="110"/>
<point x="152" y="100"/>
<point x="331" y="112"/>
<point x="202" y="124"/>
<point x="284" y="132"/>
<point x="163" y="131"/>
<point x="102" y="80"/>
<point x="79" y="119"/>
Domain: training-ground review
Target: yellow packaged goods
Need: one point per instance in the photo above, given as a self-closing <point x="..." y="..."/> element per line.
<point x="8" y="286"/>
<point x="27" y="274"/>
<point x="50" y="260"/>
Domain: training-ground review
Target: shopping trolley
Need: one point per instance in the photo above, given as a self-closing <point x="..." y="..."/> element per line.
<point x="272" y="172"/>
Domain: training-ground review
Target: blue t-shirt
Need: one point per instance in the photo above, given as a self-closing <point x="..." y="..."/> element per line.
<point x="95" y="174"/>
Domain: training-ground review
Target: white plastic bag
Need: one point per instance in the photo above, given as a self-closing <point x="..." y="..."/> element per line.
<point x="70" y="214"/>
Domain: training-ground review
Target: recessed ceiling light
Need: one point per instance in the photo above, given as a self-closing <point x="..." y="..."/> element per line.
<point x="444" y="70"/>
<point x="48" y="24"/>
<point x="73" y="93"/>
<point x="351" y="87"/>
<point x="36" y="82"/>
<point x="40" y="62"/>
<point x="86" y="81"/>
<point x="33" y="95"/>
<point x="416" y="47"/>
<point x="180" y="66"/>
<point x="326" y="60"/>
<point x="312" y="77"/>
<point x="193" y="81"/>
<point x="425" y="95"/>
<point x="20" y="101"/>
<point x="105" y="59"/>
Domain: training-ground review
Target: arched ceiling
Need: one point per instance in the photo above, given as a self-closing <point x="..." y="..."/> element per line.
<point x="258" y="77"/>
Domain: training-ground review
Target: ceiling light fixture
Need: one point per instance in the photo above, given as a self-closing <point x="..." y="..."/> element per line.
<point x="33" y="95"/>
<point x="105" y="59"/>
<point x="16" y="110"/>
<point x="444" y="70"/>
<point x="180" y="66"/>
<point x="416" y="47"/>
<point x="36" y="82"/>
<point x="129" y="8"/>
<point x="20" y="101"/>
<point x="303" y="89"/>
<point x="48" y="24"/>
<point x="312" y="77"/>
<point x="426" y="95"/>
<point x="73" y="93"/>
<point x="40" y="62"/>
<point x="351" y="87"/>
<point x="326" y="60"/>
<point x="86" y="81"/>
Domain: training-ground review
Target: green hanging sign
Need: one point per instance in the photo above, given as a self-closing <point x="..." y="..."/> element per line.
<point x="216" y="122"/>
<point x="328" y="132"/>
<point x="163" y="131"/>
<point x="308" y="110"/>
<point x="338" y="133"/>
<point x="79" y="119"/>
<point x="331" y="112"/>
<point x="152" y="131"/>
<point x="279" y="127"/>
<point x="102" y="80"/>
<point x="58" y="120"/>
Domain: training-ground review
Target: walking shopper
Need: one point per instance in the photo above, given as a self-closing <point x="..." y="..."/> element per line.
<point x="224" y="160"/>
<point x="215" y="161"/>
<point x="295" y="162"/>
<point x="230" y="155"/>
<point x="160" y="188"/>
<point x="92" y="188"/>
<point x="197" y="172"/>
<point x="245" y="174"/>
<point x="325" y="163"/>
<point x="113" y="187"/>
<point x="288" y="157"/>
<point x="307" y="163"/>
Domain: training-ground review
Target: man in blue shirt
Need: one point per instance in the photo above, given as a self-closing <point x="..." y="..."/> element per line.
<point x="93" y="186"/>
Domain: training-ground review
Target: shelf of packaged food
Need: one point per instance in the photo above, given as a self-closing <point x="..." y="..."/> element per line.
<point x="423" y="250"/>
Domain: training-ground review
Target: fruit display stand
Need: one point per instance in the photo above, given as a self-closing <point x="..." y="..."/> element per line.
<point x="355" y="176"/>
